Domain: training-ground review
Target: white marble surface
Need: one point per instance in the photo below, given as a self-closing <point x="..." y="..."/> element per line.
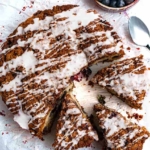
<point x="12" y="137"/>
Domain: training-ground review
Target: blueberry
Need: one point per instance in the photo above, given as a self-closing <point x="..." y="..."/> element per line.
<point x="113" y="3"/>
<point x="120" y="3"/>
<point x="106" y="2"/>
<point x="86" y="73"/>
<point x="128" y="1"/>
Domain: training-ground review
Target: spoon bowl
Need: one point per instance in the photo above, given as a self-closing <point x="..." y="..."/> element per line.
<point x="139" y="31"/>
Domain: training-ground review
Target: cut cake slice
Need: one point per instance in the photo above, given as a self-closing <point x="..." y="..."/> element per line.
<point x="119" y="134"/>
<point x="127" y="79"/>
<point x="74" y="129"/>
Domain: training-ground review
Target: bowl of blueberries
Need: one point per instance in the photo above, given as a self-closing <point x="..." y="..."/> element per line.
<point x="116" y="5"/>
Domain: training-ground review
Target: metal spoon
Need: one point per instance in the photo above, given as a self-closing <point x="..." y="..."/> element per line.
<point x="139" y="32"/>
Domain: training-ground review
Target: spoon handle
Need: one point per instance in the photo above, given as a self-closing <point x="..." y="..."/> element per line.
<point x="148" y="46"/>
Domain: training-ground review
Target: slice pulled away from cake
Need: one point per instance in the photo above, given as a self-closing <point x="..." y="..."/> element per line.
<point x="74" y="129"/>
<point x="119" y="134"/>
<point x="127" y="79"/>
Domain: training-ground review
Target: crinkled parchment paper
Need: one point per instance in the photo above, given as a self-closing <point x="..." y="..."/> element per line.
<point x="13" y="12"/>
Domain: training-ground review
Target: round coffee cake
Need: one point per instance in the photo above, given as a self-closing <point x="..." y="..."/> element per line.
<point x="40" y="56"/>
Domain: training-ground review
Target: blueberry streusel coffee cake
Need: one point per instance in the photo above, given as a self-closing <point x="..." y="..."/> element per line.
<point x="127" y="79"/>
<point x="74" y="129"/>
<point x="40" y="56"/>
<point x="119" y="133"/>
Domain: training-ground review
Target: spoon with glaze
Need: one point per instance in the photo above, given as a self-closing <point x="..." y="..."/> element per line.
<point x="139" y="32"/>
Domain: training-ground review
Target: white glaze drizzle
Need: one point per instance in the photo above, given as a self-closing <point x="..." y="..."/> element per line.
<point x="70" y="127"/>
<point x="113" y="123"/>
<point x="129" y="82"/>
<point x="22" y="119"/>
<point x="58" y="78"/>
